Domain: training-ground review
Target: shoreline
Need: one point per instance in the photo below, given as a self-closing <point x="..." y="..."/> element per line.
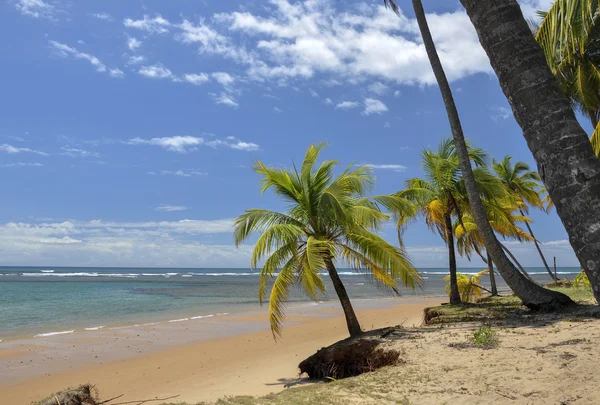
<point x="171" y="358"/>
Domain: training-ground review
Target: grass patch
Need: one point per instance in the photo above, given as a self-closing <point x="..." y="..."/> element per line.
<point x="485" y="337"/>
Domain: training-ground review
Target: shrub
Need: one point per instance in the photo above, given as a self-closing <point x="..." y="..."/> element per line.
<point x="485" y="337"/>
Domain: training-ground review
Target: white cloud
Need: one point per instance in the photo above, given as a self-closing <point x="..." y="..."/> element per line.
<point x="184" y="144"/>
<point x="328" y="101"/>
<point x="22" y="164"/>
<point x="396" y="168"/>
<point x="313" y="93"/>
<point x="181" y="144"/>
<point x="378" y="88"/>
<point x="397" y="93"/>
<point x="170" y="208"/>
<point x="67" y="51"/>
<point x="134" y="59"/>
<point x="223" y="78"/>
<point x="277" y="110"/>
<point x="155" y="25"/>
<point x="183" y="243"/>
<point x="374" y="106"/>
<point x="196" y="78"/>
<point x="156" y="71"/>
<point x="118" y="73"/>
<point x="225" y="99"/>
<point x="387" y="125"/>
<point x="179" y="173"/>
<point x="13" y="149"/>
<point x="345" y="105"/>
<point x="36" y="8"/>
<point x="501" y="113"/>
<point x="74" y="152"/>
<point x="133" y="43"/>
<point x="103" y="16"/>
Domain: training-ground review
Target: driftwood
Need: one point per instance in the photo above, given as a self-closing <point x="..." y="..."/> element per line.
<point x="88" y="395"/>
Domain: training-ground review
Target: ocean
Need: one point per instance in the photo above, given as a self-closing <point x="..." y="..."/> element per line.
<point x="42" y="301"/>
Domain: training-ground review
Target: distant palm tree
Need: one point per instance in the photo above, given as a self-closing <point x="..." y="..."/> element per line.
<point x="329" y="219"/>
<point x="524" y="185"/>
<point x="441" y="196"/>
<point x="469" y="285"/>
<point x="500" y="212"/>
<point x="570" y="37"/>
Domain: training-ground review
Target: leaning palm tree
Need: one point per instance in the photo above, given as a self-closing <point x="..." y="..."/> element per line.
<point x="505" y="223"/>
<point x="531" y="294"/>
<point x="570" y="38"/>
<point x="524" y="186"/>
<point x="566" y="162"/>
<point x="329" y="219"/>
<point x="440" y="196"/>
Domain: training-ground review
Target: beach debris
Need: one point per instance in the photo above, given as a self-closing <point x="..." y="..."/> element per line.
<point x="83" y="395"/>
<point x="87" y="394"/>
<point x="349" y="358"/>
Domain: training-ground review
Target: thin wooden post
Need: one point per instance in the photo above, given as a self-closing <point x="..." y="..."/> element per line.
<point x="555" y="268"/>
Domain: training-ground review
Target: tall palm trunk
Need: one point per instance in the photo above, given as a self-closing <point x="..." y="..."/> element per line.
<point x="454" y="293"/>
<point x="566" y="162"/>
<point x="530" y="293"/>
<point x="490" y="264"/>
<point x="351" y="319"/>
<point x="537" y="246"/>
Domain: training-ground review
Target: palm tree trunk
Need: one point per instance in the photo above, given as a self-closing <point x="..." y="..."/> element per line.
<point x="515" y="261"/>
<point x="351" y="319"/>
<point x="454" y="293"/>
<point x="530" y="293"/>
<point x="566" y="162"/>
<point x="537" y="246"/>
<point x="490" y="264"/>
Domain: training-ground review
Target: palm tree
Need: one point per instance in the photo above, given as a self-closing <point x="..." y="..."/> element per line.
<point x="441" y="196"/>
<point x="570" y="38"/>
<point x="531" y="294"/>
<point x="329" y="218"/>
<point x="566" y="162"/>
<point x="500" y="212"/>
<point x="524" y="185"/>
<point x="469" y="285"/>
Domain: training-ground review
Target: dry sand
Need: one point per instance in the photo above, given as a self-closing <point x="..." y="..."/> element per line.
<point x="197" y="360"/>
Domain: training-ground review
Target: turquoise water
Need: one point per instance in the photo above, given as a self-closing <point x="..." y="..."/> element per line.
<point x="38" y="300"/>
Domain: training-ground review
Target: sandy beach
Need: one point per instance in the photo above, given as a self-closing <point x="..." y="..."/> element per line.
<point x="197" y="359"/>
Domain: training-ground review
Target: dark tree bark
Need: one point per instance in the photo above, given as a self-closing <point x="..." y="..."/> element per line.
<point x="530" y="293"/>
<point x="537" y="246"/>
<point x="565" y="159"/>
<point x="454" y="293"/>
<point x="351" y="319"/>
<point x="490" y="264"/>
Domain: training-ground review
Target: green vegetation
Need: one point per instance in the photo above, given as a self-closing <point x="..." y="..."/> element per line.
<point x="570" y="38"/>
<point x="582" y="281"/>
<point x="469" y="286"/>
<point x="485" y="337"/>
<point x="329" y="218"/>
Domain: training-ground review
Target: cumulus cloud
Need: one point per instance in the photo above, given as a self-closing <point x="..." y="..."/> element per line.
<point x="36" y="8"/>
<point x="183" y="243"/>
<point x="13" y="149"/>
<point x="374" y="106"/>
<point x="103" y="16"/>
<point x="225" y="98"/>
<point x="345" y="105"/>
<point x="153" y="25"/>
<point x="156" y="71"/>
<point x="378" y="88"/>
<point x="196" y="78"/>
<point x="184" y="144"/>
<point x="133" y="43"/>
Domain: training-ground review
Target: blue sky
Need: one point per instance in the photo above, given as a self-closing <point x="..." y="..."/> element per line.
<point x="128" y="129"/>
